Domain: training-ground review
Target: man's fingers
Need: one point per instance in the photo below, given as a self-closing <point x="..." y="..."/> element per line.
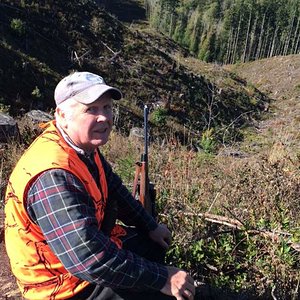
<point x="179" y="284"/>
<point x="164" y="244"/>
<point x="190" y="285"/>
<point x="179" y="297"/>
<point x="188" y="294"/>
<point x="168" y="240"/>
<point x="187" y="291"/>
<point x="192" y="289"/>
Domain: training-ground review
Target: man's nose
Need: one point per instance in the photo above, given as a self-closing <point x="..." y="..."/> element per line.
<point x="102" y="116"/>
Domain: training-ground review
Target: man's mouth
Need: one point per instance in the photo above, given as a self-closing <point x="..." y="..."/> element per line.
<point x="101" y="130"/>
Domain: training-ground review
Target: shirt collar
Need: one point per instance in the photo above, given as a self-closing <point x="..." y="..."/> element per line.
<point x="71" y="143"/>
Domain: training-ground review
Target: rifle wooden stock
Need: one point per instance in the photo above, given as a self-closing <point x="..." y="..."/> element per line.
<point x="144" y="188"/>
<point x="141" y="184"/>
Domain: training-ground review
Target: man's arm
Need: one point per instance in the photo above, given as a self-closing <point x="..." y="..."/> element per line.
<point x="59" y="204"/>
<point x="179" y="283"/>
<point x="130" y="211"/>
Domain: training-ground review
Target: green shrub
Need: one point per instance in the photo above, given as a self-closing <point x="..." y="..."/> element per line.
<point x="159" y="116"/>
<point x="36" y="93"/>
<point x="4" y="108"/>
<point x="208" y="142"/>
<point x="18" y="26"/>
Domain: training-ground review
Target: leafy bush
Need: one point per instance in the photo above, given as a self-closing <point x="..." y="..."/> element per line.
<point x="36" y="93"/>
<point x="18" y="26"/>
<point x="159" y="116"/>
<point x="208" y="142"/>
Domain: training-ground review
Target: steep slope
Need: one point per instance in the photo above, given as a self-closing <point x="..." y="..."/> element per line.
<point x="279" y="77"/>
<point x="56" y="37"/>
<point x="43" y="40"/>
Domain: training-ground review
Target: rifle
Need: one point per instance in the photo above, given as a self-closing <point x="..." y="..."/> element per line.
<point x="142" y="185"/>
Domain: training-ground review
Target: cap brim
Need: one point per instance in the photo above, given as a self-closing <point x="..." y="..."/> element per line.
<point x="94" y="92"/>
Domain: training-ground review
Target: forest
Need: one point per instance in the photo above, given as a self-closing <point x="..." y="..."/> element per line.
<point x="224" y="151"/>
<point x="229" y="31"/>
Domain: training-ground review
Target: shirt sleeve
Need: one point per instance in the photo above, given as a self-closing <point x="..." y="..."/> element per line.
<point x="130" y="211"/>
<point x="58" y="202"/>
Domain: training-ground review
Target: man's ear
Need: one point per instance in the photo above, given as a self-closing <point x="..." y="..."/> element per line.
<point x="61" y="117"/>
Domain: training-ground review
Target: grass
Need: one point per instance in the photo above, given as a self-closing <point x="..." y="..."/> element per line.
<point x="196" y="189"/>
<point x="235" y="221"/>
<point x="199" y="194"/>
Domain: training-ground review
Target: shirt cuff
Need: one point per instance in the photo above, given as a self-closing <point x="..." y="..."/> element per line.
<point x="158" y="276"/>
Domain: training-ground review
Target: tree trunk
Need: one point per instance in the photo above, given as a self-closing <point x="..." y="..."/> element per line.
<point x="265" y="43"/>
<point x="229" y="46"/>
<point x="252" y="39"/>
<point x="288" y="38"/>
<point x="260" y="38"/>
<point x="273" y="42"/>
<point x="247" y="37"/>
<point x="282" y="44"/>
<point x="296" y="38"/>
<point x="236" y="41"/>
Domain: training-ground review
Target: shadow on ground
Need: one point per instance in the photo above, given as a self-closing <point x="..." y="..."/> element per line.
<point x="126" y="11"/>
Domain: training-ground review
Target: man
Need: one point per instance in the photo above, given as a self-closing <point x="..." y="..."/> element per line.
<point x="62" y="202"/>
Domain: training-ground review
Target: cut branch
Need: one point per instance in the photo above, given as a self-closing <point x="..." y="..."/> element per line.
<point x="236" y="224"/>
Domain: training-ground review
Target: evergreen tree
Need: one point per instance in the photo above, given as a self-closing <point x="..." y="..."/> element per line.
<point x="228" y="31"/>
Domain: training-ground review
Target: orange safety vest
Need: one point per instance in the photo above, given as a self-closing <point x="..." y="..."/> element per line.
<point x="40" y="274"/>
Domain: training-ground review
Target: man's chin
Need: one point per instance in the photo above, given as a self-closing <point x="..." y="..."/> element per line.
<point x="98" y="143"/>
<point x="99" y="139"/>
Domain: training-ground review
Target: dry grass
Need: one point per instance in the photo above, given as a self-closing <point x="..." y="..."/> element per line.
<point x="259" y="191"/>
<point x="253" y="186"/>
<point x="10" y="154"/>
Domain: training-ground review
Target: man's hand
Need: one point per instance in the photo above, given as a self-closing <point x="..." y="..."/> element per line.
<point x="161" y="235"/>
<point x="179" y="284"/>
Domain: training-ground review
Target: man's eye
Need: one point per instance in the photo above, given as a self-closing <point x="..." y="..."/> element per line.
<point x="92" y="109"/>
<point x="108" y="107"/>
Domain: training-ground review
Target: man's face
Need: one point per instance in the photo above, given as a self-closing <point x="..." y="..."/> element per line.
<point x="90" y="124"/>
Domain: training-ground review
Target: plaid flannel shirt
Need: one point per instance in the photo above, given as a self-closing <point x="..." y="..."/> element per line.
<point x="58" y="202"/>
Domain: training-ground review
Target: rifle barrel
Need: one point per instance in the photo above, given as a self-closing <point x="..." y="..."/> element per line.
<point x="146" y="131"/>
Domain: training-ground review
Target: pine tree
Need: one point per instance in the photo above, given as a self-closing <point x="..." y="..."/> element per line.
<point x="228" y="31"/>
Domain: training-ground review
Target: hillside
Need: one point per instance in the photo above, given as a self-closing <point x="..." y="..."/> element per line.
<point x="43" y="41"/>
<point x="279" y="78"/>
<point x="250" y="109"/>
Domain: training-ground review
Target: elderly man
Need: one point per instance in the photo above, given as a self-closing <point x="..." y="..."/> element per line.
<point x="62" y="202"/>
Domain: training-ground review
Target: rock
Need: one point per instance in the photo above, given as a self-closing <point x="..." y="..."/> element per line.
<point x="233" y="153"/>
<point x="38" y="116"/>
<point x="8" y="128"/>
<point x="136" y="133"/>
